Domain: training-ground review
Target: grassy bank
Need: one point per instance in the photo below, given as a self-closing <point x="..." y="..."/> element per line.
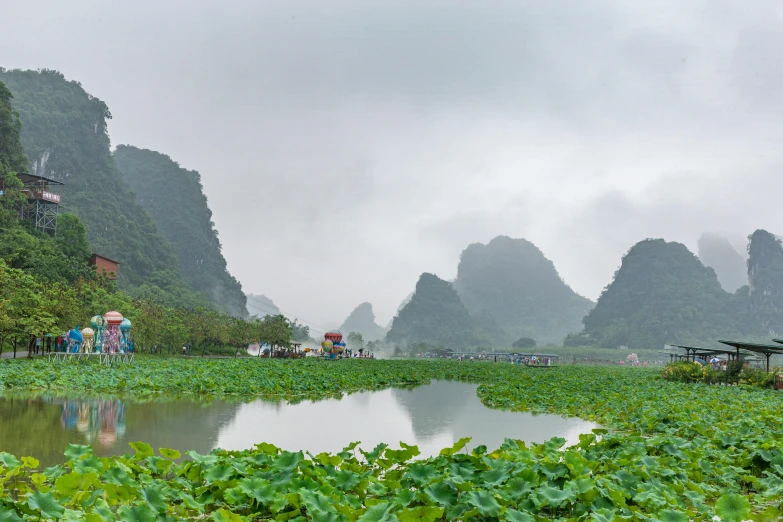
<point x="677" y="451"/>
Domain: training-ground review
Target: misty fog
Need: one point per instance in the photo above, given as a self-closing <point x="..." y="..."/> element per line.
<point x="346" y="147"/>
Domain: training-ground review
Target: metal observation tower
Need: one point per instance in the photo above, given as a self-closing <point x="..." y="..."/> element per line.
<point x="43" y="201"/>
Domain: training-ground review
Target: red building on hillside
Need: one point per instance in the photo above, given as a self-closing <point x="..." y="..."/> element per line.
<point x="105" y="266"/>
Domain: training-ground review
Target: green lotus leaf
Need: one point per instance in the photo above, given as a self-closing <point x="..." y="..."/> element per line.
<point x="404" y="498"/>
<point x="732" y="507"/>
<point x="420" y="514"/>
<point x="71" y="483"/>
<point x="422" y="474"/>
<point x="88" y="464"/>
<point x="456" y="448"/>
<point x="512" y="515"/>
<point x="45" y="504"/>
<point x="142" y="513"/>
<point x="30" y="462"/>
<point x="441" y="493"/>
<point x="155" y="498"/>
<point x="223" y="515"/>
<point x="287" y="461"/>
<point x="377" y="513"/>
<point x="142" y="449"/>
<point x="603" y="515"/>
<point x="553" y="496"/>
<point x="346" y="479"/>
<point x="484" y="502"/>
<point x="671" y="515"/>
<point x="77" y="451"/>
<point x="9" y="515"/>
<point x="221" y="472"/>
<point x="8" y="460"/>
<point x="169" y="453"/>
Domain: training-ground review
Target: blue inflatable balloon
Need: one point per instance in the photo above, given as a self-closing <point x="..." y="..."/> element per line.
<point x="76" y="335"/>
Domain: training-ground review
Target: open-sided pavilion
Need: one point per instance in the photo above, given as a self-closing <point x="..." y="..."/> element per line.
<point x="766" y="350"/>
<point x="694" y="352"/>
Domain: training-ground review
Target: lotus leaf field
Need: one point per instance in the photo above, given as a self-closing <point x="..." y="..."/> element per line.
<point x="672" y="451"/>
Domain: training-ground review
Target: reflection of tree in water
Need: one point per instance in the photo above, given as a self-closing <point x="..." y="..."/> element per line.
<point x="434" y="407"/>
<point x="43" y="426"/>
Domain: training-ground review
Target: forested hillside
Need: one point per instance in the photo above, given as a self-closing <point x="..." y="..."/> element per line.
<point x="663" y="294"/>
<point x="513" y="291"/>
<point x="65" y="137"/>
<point x="717" y="253"/>
<point x="434" y="315"/>
<point x="48" y="260"/>
<point x="362" y="320"/>
<point x="765" y="276"/>
<point x="175" y="199"/>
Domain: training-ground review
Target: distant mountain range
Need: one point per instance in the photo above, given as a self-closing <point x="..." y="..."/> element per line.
<point x="661" y="294"/>
<point x="514" y="291"/>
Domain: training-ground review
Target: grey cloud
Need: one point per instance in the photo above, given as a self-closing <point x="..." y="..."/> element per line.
<point x="348" y="146"/>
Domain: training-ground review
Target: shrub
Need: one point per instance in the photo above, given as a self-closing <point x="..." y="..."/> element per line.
<point x="686" y="371"/>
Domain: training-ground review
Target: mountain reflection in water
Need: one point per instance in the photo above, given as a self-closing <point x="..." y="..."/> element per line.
<point x="431" y="417"/>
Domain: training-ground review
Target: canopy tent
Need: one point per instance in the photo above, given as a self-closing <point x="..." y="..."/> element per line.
<point x="767" y="350"/>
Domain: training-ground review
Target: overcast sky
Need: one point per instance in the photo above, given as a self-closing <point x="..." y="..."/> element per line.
<point x="347" y="146"/>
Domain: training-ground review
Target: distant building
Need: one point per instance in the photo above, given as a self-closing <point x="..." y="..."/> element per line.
<point x="105" y="266"/>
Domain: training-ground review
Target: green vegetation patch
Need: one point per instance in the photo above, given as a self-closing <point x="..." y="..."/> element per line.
<point x="675" y="451"/>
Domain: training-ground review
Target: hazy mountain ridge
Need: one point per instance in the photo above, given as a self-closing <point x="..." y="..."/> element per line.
<point x="260" y="305"/>
<point x="434" y="315"/>
<point x="663" y="294"/>
<point x="765" y="276"/>
<point x="514" y="291"/>
<point x="175" y="199"/>
<point x="362" y="320"/>
<point x="718" y="253"/>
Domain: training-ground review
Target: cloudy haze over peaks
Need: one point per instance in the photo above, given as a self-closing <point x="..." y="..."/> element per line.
<point x="347" y="146"/>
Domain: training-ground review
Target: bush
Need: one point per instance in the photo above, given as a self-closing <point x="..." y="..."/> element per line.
<point x="683" y="371"/>
<point x="686" y="371"/>
<point x="760" y="378"/>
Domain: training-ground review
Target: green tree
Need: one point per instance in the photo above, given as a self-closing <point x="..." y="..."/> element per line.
<point x="276" y="331"/>
<point x="355" y="340"/>
<point x="72" y="237"/>
<point x="524" y="342"/>
<point x="12" y="156"/>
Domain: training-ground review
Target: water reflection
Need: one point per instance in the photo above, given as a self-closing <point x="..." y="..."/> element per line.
<point x="43" y="426"/>
<point x="100" y="420"/>
<point x="432" y="417"/>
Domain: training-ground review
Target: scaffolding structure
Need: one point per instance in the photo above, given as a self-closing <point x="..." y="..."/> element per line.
<point x="43" y="202"/>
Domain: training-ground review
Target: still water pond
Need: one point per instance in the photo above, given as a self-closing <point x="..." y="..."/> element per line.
<point x="432" y="417"/>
